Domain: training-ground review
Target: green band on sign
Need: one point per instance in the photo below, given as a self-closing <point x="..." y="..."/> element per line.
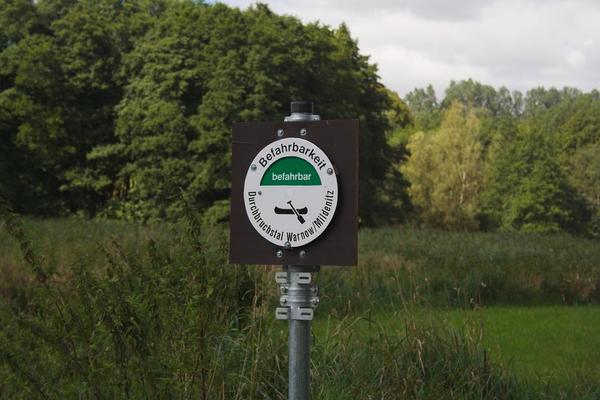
<point x="291" y="171"/>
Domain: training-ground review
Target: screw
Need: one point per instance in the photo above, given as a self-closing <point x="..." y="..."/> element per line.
<point x="284" y="289"/>
<point x="330" y="171"/>
<point x="253" y="167"/>
<point x="302" y="253"/>
<point x="303" y="132"/>
<point x="287" y="245"/>
<point x="259" y="192"/>
<point x="283" y="300"/>
<point x="280" y="132"/>
<point x="314" y="289"/>
<point x="279" y="253"/>
<point x="314" y="301"/>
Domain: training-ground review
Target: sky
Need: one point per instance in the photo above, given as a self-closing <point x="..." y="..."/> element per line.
<point x="520" y="44"/>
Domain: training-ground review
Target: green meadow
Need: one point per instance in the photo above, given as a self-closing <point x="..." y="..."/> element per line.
<point x="543" y="345"/>
<point x="100" y="309"/>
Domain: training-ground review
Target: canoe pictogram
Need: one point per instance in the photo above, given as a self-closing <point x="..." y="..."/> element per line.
<point x="284" y="211"/>
<point x="289" y="211"/>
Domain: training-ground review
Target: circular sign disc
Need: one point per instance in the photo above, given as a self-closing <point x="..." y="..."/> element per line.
<point x="290" y="192"/>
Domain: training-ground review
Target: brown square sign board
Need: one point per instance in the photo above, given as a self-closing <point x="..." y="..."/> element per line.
<point x="303" y="233"/>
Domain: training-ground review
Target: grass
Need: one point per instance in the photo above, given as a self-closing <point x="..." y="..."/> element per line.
<point x="547" y="344"/>
<point x="458" y="269"/>
<point x="109" y="309"/>
<point x="543" y="344"/>
<point x="62" y="243"/>
<point x="60" y="240"/>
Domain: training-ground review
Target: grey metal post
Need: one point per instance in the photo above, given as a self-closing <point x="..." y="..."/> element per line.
<point x="299" y="295"/>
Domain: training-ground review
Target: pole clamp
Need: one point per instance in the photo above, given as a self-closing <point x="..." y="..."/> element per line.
<point x="299" y="296"/>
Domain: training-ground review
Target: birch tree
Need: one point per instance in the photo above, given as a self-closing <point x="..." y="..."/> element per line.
<point x="445" y="170"/>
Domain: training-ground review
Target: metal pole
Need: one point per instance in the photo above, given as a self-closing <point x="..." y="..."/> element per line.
<point x="299" y="295"/>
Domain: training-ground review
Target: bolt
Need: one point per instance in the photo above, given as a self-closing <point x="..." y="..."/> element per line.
<point x="303" y="132"/>
<point x="259" y="192"/>
<point x="330" y="171"/>
<point x="287" y="245"/>
<point x="279" y="253"/>
<point x="284" y="289"/>
<point x="280" y="132"/>
<point x="314" y="301"/>
<point x="283" y="300"/>
<point x="302" y="253"/>
<point x="314" y="289"/>
<point x="253" y="167"/>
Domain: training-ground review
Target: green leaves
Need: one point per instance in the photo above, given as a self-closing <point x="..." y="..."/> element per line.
<point x="536" y="152"/>
<point x="124" y="109"/>
<point x="444" y="170"/>
<point x="527" y="188"/>
<point x="197" y="71"/>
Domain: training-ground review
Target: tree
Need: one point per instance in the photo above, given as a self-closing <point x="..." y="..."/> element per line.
<point x="444" y="170"/>
<point x="398" y="114"/>
<point x="586" y="173"/>
<point x="37" y="128"/>
<point x="425" y="108"/>
<point x="571" y="120"/>
<point x="124" y="108"/>
<point x="395" y="200"/>
<point x="484" y="98"/>
<point x="201" y="68"/>
<point x="64" y="77"/>
<point x="585" y="178"/>
<point x="18" y="172"/>
<point x="527" y="188"/>
<point x="575" y="122"/>
<point x="540" y="100"/>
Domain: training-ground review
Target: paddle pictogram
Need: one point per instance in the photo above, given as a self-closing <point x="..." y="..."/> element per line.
<point x="298" y="212"/>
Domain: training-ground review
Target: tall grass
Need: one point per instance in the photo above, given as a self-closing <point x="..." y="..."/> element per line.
<point x="450" y="269"/>
<point x="105" y="310"/>
<point x="162" y="322"/>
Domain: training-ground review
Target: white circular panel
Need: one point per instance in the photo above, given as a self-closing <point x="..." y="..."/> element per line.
<point x="290" y="192"/>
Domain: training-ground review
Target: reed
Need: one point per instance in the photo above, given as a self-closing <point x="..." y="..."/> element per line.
<point x="111" y="310"/>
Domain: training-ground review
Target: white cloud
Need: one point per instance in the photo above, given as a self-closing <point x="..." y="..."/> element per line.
<point x="520" y="44"/>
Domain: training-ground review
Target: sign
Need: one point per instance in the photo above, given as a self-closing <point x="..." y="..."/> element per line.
<point x="294" y="194"/>
<point x="290" y="192"/>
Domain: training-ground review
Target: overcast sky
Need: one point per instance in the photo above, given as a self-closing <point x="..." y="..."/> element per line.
<point x="519" y="44"/>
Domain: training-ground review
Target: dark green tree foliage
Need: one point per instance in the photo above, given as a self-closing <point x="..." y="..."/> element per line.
<point x="585" y="178"/>
<point x="540" y="100"/>
<point x="576" y="121"/>
<point x="125" y="108"/>
<point x="484" y="97"/>
<point x="18" y="19"/>
<point x="528" y="188"/>
<point x="63" y="86"/>
<point x="396" y="205"/>
<point x="152" y="125"/>
<point x="201" y="68"/>
<point x="425" y="108"/>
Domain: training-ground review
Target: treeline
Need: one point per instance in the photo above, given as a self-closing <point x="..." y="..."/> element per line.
<point x="482" y="158"/>
<point x="124" y="109"/>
